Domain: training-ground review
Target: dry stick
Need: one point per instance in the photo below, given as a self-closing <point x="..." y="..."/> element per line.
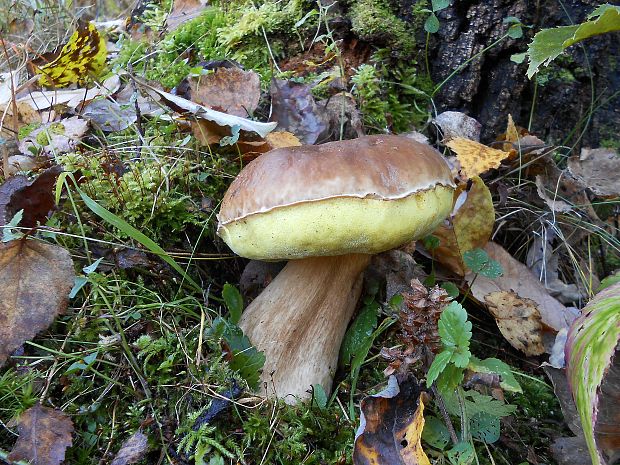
<point x="138" y="114"/>
<point x="444" y="414"/>
<point x="5" y="150"/>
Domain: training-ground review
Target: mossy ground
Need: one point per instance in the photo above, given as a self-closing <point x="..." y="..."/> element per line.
<point x="133" y="351"/>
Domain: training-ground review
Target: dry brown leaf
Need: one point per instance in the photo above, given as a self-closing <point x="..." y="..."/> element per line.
<point x="183" y="11"/>
<point x="552" y="199"/>
<point x="599" y="170"/>
<point x="132" y="450"/>
<point x="518" y="278"/>
<point x="391" y="427"/>
<point x="34" y="197"/>
<point x="518" y="319"/>
<point x="512" y="135"/>
<point x="469" y="227"/>
<point x="36" y="279"/>
<point x="44" y="435"/>
<point x="474" y="157"/>
<point x="230" y="90"/>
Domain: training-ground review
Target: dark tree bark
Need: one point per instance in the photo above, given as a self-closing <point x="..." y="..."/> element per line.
<point x="492" y="86"/>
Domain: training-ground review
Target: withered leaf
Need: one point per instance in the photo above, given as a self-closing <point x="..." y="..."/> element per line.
<point x="36" y="279"/>
<point x="34" y="197"/>
<point x="469" y="226"/>
<point x="231" y="90"/>
<point x="456" y="124"/>
<point x="296" y="111"/>
<point x="518" y="278"/>
<point x="183" y="11"/>
<point x="599" y="170"/>
<point x="474" y="157"/>
<point x="57" y="137"/>
<point x="391" y="427"/>
<point x="518" y="319"/>
<point x="132" y="450"/>
<point x="44" y="435"/>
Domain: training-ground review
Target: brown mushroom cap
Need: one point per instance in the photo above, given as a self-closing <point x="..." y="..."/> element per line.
<point x="357" y="196"/>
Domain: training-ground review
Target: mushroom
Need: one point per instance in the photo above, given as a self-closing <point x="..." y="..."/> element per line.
<point x="326" y="208"/>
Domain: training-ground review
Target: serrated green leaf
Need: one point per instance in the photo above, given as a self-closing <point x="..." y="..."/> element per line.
<point x="234" y="302"/>
<point x="461" y="357"/>
<point x="356" y="337"/>
<point x="492" y="365"/>
<point x="431" y="25"/>
<point x="449" y="379"/>
<point x="440" y="362"/>
<point x="476" y="403"/>
<point x="454" y="329"/>
<point x="484" y="427"/>
<point x="548" y="44"/>
<point x="461" y="454"/>
<point x="478" y="261"/>
<point x="435" y="433"/>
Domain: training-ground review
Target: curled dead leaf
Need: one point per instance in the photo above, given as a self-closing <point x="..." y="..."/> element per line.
<point x="44" y="435"/>
<point x="518" y="319"/>
<point x="391" y="427"/>
<point x="518" y="278"/>
<point x="36" y="279"/>
<point x="599" y="170"/>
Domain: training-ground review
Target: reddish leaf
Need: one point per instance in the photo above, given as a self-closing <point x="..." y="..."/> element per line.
<point x="35" y="197"/>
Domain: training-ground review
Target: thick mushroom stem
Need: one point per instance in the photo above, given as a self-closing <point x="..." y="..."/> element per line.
<point x="299" y="321"/>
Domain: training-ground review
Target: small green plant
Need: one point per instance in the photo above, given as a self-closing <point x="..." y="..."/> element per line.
<point x="479" y="413"/>
<point x="431" y="25"/>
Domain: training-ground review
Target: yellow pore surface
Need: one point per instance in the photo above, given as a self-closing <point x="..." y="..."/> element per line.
<point x="337" y="226"/>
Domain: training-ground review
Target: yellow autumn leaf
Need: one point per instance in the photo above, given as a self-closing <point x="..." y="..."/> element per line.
<point x="474" y="157"/>
<point x="469" y="226"/>
<point x="81" y="58"/>
<point x="512" y="134"/>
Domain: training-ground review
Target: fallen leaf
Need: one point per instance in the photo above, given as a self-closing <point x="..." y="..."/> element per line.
<point x="109" y="116"/>
<point x="183" y="11"/>
<point x="518" y="319"/>
<point x="598" y="169"/>
<point x="36" y="279"/>
<point x="22" y="163"/>
<point x="53" y="138"/>
<point x="544" y="263"/>
<point x="518" y="278"/>
<point x="342" y="115"/>
<point x="571" y="451"/>
<point x="201" y="112"/>
<point x="251" y="149"/>
<point x="81" y="58"/>
<point x="593" y="371"/>
<point x="73" y="98"/>
<point x="132" y="450"/>
<point x="44" y="435"/>
<point x="34" y="197"/>
<point x="469" y="226"/>
<point x="391" y="427"/>
<point x="474" y="157"/>
<point x="512" y="134"/>
<point x="455" y="124"/>
<point x="294" y="109"/>
<point x="551" y="198"/>
<point x="231" y="90"/>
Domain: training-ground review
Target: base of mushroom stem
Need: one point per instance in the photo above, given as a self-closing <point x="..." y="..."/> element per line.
<point x="299" y="322"/>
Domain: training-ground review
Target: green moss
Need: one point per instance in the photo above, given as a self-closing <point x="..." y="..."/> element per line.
<point x="391" y="96"/>
<point x="374" y="21"/>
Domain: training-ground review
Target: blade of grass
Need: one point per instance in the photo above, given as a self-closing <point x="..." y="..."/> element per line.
<point x="132" y="232"/>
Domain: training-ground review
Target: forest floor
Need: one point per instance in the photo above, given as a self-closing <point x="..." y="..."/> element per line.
<point x="120" y="133"/>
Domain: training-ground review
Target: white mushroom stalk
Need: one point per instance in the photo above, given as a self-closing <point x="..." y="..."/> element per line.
<point x="327" y="208"/>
